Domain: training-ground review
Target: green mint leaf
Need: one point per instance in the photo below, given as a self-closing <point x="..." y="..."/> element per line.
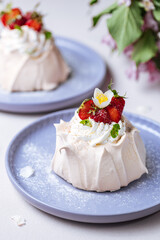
<point x="125" y="25"/>
<point x="108" y="10"/>
<point x="156" y="14"/>
<point x="93" y="2"/>
<point x="145" y="48"/>
<point x="115" y="130"/>
<point x="86" y="122"/>
<point x="18" y="27"/>
<point x="48" y="35"/>
<point x="2" y="13"/>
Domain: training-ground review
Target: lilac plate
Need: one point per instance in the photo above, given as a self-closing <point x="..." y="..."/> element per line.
<point x="35" y="146"/>
<point x="88" y="72"/>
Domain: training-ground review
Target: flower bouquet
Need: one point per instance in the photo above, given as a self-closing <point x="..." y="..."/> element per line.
<point x="134" y="29"/>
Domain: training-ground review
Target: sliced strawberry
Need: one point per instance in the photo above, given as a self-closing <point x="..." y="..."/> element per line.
<point x="86" y="109"/>
<point x="101" y="115"/>
<point x="114" y="114"/>
<point x="4" y="19"/>
<point x="34" y="24"/>
<point x="118" y="102"/>
<point x="17" y="22"/>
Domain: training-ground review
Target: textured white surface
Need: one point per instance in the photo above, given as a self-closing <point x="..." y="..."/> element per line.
<point x="19" y="221"/>
<point x="73" y="19"/>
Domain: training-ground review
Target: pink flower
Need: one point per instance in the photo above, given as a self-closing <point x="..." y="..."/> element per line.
<point x="128" y="51"/>
<point x="154" y="73"/>
<point x="149" y="22"/>
<point x="126" y="2"/>
<point x="149" y="67"/>
<point x="132" y="71"/>
<point x="109" y="41"/>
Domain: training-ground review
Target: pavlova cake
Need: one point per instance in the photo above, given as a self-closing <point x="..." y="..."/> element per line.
<point x="29" y="58"/>
<point x="99" y="149"/>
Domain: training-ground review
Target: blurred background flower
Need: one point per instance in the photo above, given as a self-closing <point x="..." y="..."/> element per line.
<point x="133" y="29"/>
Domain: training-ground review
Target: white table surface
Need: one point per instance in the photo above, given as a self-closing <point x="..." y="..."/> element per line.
<point x="72" y="18"/>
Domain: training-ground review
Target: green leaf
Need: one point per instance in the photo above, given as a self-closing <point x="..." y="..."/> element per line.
<point x="140" y="4"/>
<point x="108" y="10"/>
<point x="156" y="3"/>
<point x="156" y="14"/>
<point x="145" y="48"/>
<point x="115" y="130"/>
<point x="18" y="27"/>
<point x="48" y="35"/>
<point x="86" y="122"/>
<point x="125" y="25"/>
<point x="93" y="2"/>
<point x="157" y="61"/>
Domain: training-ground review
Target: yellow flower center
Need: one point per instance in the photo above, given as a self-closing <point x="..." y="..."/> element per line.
<point x="102" y="98"/>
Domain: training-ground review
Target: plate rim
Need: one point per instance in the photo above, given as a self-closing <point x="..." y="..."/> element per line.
<point x="41" y="106"/>
<point x="100" y="218"/>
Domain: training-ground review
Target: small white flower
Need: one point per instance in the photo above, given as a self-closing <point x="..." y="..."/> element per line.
<point x="158" y="34"/>
<point x="148" y="5"/>
<point x="101" y="99"/>
<point x="126" y="2"/>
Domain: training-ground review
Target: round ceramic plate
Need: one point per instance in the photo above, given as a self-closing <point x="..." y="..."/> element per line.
<point x="88" y="71"/>
<point x="35" y="146"/>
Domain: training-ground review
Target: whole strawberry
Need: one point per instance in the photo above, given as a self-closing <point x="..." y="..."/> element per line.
<point x="118" y="102"/>
<point x="101" y="115"/>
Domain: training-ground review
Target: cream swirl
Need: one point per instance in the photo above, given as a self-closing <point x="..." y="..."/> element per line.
<point x="25" y="41"/>
<point x="98" y="133"/>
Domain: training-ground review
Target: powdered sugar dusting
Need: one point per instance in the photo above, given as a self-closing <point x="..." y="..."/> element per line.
<point x="37" y="150"/>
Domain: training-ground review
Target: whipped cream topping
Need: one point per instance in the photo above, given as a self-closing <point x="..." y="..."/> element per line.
<point x="26" y="41"/>
<point x="98" y="133"/>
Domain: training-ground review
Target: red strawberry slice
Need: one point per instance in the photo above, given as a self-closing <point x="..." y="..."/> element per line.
<point x="101" y="116"/>
<point x="34" y="24"/>
<point x="13" y="18"/>
<point x="119" y="103"/>
<point x="114" y="113"/>
<point x="17" y="22"/>
<point x="86" y="109"/>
